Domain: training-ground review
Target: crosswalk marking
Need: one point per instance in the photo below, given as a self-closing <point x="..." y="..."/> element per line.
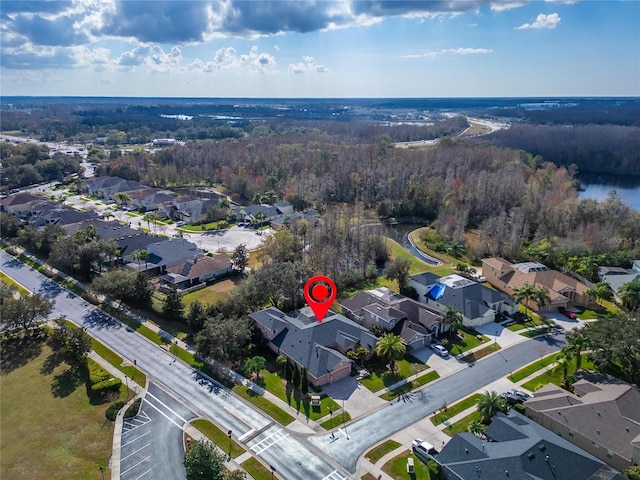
<point x="271" y="440"/>
<point x="334" y="476"/>
<point x="135" y="422"/>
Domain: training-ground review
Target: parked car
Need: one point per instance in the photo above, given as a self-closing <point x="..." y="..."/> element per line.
<point x="568" y="313"/>
<point x="519" y="393"/>
<point x="510" y="398"/>
<point x="423" y="449"/>
<point x="443" y="352"/>
<point x="180" y="224"/>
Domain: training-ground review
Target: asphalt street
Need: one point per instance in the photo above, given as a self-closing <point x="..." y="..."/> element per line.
<point x="395" y="416"/>
<point x="291" y="457"/>
<point x="152" y="442"/>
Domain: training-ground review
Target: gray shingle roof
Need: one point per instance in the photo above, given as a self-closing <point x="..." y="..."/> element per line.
<point x="525" y="449"/>
<point x="309" y="342"/>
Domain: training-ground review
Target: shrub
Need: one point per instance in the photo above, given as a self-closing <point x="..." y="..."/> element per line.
<point x="518" y="407"/>
<point x="106" y="386"/>
<point x="97" y="374"/>
<point x="112" y="411"/>
<point x="133" y="409"/>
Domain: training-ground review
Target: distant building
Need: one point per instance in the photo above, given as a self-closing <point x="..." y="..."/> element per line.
<point x="617" y="277"/>
<point x="163" y="142"/>
<point x="197" y="271"/>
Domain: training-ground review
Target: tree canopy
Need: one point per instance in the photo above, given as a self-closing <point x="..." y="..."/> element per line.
<point x="204" y="462"/>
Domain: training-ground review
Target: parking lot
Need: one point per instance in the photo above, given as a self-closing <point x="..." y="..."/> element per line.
<point x="152" y="442"/>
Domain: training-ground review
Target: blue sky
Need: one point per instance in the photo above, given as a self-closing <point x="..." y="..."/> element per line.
<point x="298" y="48"/>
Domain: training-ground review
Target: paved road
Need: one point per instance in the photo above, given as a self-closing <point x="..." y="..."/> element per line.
<point x="291" y="457"/>
<point x="369" y="430"/>
<point x="152" y="442"/>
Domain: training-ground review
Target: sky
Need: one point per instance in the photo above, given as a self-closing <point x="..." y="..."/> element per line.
<point x="320" y="48"/>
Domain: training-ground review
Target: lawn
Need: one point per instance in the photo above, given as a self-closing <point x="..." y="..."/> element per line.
<point x="263" y="404"/>
<point x="455" y="409"/>
<point x="532" y="320"/>
<point x="465" y="340"/>
<point x="381" y="377"/>
<point x="50" y="429"/>
<point x="275" y="384"/>
<point x="397" y="251"/>
<point x="218" y="437"/>
<point x="337" y="420"/>
<point x="554" y="375"/>
<point x="461" y="425"/>
<point x="257" y="470"/>
<point x="483" y="352"/>
<point x="397" y="467"/>
<point x="530" y="369"/>
<point x="213" y="293"/>
<point x="407" y="387"/>
<point x="11" y="282"/>
<point x="381" y="450"/>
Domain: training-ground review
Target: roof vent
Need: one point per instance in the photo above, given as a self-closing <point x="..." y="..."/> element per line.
<point x="542" y="447"/>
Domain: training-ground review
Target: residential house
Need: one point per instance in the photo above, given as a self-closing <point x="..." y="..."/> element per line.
<point x="264" y="213"/>
<point x="197" y="271"/>
<point x="164" y="255"/>
<point x="62" y="216"/>
<point x="601" y="416"/>
<point x="321" y="347"/>
<point x="477" y="304"/>
<point x="107" y="187"/>
<point x="148" y="199"/>
<point x="416" y="323"/>
<point x="188" y="208"/>
<point x="562" y="289"/>
<point x="617" y="277"/>
<point x="311" y="216"/>
<point x="26" y="206"/>
<point x="518" y="448"/>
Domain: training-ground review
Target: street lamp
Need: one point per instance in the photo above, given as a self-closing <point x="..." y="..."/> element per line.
<point x="229" y="433"/>
<point x="273" y="469"/>
<point x="343" y="422"/>
<point x="102" y="471"/>
<point x="331" y="422"/>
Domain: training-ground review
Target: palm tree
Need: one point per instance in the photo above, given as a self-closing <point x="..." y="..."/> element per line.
<point x="453" y="318"/>
<point x="260" y="217"/>
<point x="107" y="215"/>
<point x="603" y="291"/>
<point x="541" y="297"/>
<point x="524" y="295"/>
<point x="152" y="217"/>
<point x="576" y="344"/>
<point x="630" y="295"/>
<point x="591" y="294"/>
<point x="476" y="427"/>
<point x="122" y="198"/>
<point x="391" y="348"/>
<point x="141" y="255"/>
<point x="489" y="404"/>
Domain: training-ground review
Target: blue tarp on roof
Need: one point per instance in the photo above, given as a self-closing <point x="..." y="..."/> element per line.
<point x="436" y="291"/>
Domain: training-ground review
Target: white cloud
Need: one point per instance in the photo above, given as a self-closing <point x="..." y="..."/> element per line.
<point x="503" y="5"/>
<point x="450" y="51"/>
<point x="227" y="59"/>
<point x="566" y="2"/>
<point x="550" y="21"/>
<point x="152" y="56"/>
<point x="309" y="65"/>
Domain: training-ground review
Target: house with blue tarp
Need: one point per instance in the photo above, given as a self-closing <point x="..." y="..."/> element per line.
<point x="477" y="303"/>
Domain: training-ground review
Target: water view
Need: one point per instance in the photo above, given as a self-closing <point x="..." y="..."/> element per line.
<point x="598" y="187"/>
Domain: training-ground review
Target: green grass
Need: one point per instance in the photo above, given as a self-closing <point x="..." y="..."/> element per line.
<point x="116" y="360"/>
<point x="338" y="419"/>
<point x="50" y="429"/>
<point x="277" y="385"/>
<point x="554" y="375"/>
<point x="455" y="409"/>
<point x="263" y="404"/>
<point x="483" y="352"/>
<point x="469" y="340"/>
<point x="461" y="425"/>
<point x="407" y="387"/>
<point x="368" y="476"/>
<point x="536" y="331"/>
<point x="533" y="320"/>
<point x="532" y="368"/>
<point x="381" y="450"/>
<point x="257" y="470"/>
<point x="218" y="437"/>
<point x="381" y="377"/>
<point x="11" y="282"/>
<point x="222" y="224"/>
<point x="397" y="467"/>
<point x="398" y="251"/>
<point x="213" y="293"/>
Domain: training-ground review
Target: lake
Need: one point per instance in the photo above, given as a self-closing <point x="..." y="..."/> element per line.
<point x="598" y="187"/>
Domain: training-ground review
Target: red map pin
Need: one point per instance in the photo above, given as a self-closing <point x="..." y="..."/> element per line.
<point x="320" y="292"/>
